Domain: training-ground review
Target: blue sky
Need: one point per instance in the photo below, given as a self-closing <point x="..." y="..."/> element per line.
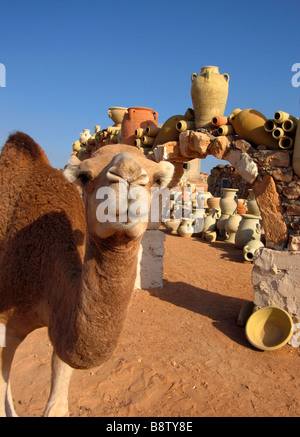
<point x="68" y="61"/>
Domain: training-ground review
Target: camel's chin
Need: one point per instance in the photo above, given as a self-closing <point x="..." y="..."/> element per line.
<point x="132" y="230"/>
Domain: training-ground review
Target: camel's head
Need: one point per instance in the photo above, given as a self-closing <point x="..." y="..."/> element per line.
<point x="117" y="183"/>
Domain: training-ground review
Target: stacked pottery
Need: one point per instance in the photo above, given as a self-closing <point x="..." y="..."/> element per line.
<point x="209" y="92"/>
<point x="228" y="205"/>
<point x="249" y="229"/>
<point x="186" y="229"/>
<point x="134" y="118"/>
<point x="209" y="231"/>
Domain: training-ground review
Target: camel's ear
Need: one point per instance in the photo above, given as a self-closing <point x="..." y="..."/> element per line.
<point x="163" y="175"/>
<point x="70" y="171"/>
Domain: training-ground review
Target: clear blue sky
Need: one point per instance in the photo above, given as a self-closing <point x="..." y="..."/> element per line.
<point x="68" y="61"/>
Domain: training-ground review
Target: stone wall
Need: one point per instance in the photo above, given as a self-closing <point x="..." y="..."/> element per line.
<point x="222" y="173"/>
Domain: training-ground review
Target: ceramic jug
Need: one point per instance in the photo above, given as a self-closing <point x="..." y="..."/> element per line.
<point x="249" y="229"/>
<point x="134" y="118"/>
<point x="186" y="229"/>
<point x="249" y="125"/>
<point x="231" y="227"/>
<point x="209" y="92"/>
<point x="250" y="248"/>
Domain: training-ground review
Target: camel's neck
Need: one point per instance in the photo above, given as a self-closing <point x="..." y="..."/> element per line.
<point x="102" y="299"/>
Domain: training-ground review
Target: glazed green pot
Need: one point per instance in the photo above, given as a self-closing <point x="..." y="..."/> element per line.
<point x="209" y="92"/>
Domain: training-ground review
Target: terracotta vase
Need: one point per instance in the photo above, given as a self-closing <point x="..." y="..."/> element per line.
<point x="228" y="202"/>
<point x="209" y="92"/>
<point x="251" y="204"/>
<point x="249" y="125"/>
<point x="296" y="152"/>
<point x="250" y="248"/>
<point x="186" y="229"/>
<point x="240" y="207"/>
<point x="116" y="113"/>
<point x="249" y="229"/>
<point x="134" y="118"/>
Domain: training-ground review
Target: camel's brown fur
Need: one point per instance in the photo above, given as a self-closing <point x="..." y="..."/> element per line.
<point x="56" y="269"/>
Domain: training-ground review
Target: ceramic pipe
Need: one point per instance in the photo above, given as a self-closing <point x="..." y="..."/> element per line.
<point x="289" y="125"/>
<point x="277" y="133"/>
<point x="270" y="125"/>
<point x="139" y="132"/>
<point x="225" y="130"/>
<point x="219" y="121"/>
<point x="286" y="142"/>
<point x="148" y="140"/>
<point x="281" y="116"/>
<point x="184" y="125"/>
<point x="138" y="142"/>
<point x="296" y="152"/>
<point x="152" y="130"/>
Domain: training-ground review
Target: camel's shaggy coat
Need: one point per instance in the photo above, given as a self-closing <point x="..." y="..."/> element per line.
<point x="60" y="268"/>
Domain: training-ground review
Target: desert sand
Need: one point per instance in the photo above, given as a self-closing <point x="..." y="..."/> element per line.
<point x="182" y="353"/>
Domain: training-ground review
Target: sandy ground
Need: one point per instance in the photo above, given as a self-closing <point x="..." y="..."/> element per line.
<point x="182" y="353"/>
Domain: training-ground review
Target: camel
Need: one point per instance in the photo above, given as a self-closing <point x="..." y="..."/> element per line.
<point x="60" y="266"/>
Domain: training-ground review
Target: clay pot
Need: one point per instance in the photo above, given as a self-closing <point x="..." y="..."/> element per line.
<point x="249" y="229"/>
<point x="289" y="126"/>
<point x="250" y="248"/>
<point x="296" y="152"/>
<point x="168" y="131"/>
<point x="116" y="113"/>
<point x="227" y="129"/>
<point x="186" y="229"/>
<point x="134" y="118"/>
<point x="249" y="125"/>
<point x="281" y="116"/>
<point x="277" y="133"/>
<point x="184" y="125"/>
<point x="228" y="202"/>
<point x="172" y="225"/>
<point x="231" y="227"/>
<point x="213" y="203"/>
<point x="251" y="204"/>
<point x="286" y="142"/>
<point x="209" y="92"/>
<point x="219" y="121"/>
<point x="270" y="125"/>
<point x="210" y="222"/>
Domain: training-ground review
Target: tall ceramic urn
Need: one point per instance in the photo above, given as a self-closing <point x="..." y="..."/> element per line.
<point x="209" y="92"/>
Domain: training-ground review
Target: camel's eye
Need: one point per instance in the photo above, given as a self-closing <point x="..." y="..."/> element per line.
<point x="84" y="178"/>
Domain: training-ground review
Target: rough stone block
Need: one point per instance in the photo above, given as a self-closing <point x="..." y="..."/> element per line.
<point x="219" y="147"/>
<point x="276" y="280"/>
<point x="243" y="164"/>
<point x="150" y="260"/>
<point x="271" y="210"/>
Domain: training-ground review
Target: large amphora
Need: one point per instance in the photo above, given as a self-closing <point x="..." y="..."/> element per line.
<point x="209" y="92"/>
